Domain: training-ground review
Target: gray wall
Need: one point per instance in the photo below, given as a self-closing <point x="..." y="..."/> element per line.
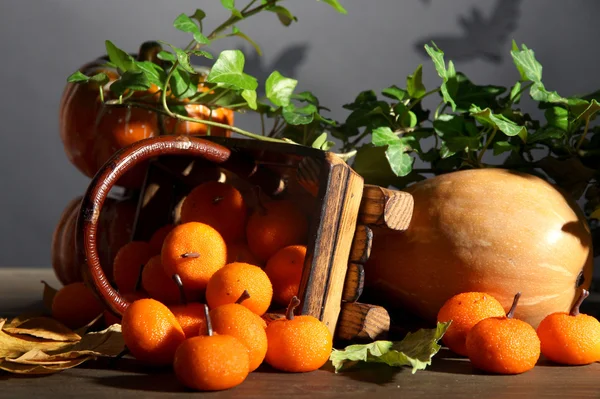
<point x="377" y="44"/>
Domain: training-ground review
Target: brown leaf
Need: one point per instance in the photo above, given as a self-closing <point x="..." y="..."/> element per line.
<point x="48" y="295"/>
<point x="108" y="342"/>
<point x="43" y="327"/>
<point x="14" y="346"/>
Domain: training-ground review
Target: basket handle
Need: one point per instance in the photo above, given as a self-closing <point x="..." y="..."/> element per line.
<point x="101" y="184"/>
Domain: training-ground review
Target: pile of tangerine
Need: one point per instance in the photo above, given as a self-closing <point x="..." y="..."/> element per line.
<point x="199" y="288"/>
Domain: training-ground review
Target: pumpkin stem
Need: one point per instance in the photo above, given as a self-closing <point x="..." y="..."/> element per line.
<point x="511" y="312"/>
<point x="289" y="313"/>
<point x="575" y="309"/>
<point x="209" y="329"/>
<point x="245" y="295"/>
<point x="182" y="297"/>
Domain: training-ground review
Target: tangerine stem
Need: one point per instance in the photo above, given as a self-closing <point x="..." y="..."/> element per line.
<point x="190" y="255"/>
<point x="245" y="295"/>
<point x="289" y="313"/>
<point x="177" y="278"/>
<point x="575" y="309"/>
<point x="511" y="312"/>
<point x="209" y="329"/>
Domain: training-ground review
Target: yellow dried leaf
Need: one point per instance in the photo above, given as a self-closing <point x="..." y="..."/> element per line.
<point x="48" y="295"/>
<point x="14" y="346"/>
<point x="43" y="327"/>
<point x="37" y="369"/>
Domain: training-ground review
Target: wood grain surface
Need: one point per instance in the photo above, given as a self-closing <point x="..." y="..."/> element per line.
<point x="384" y="207"/>
<point x="447" y="377"/>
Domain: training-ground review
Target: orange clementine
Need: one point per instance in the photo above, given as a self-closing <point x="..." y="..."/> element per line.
<point x="285" y="272"/>
<point x="75" y="305"/>
<point x="128" y="264"/>
<point x="158" y="284"/>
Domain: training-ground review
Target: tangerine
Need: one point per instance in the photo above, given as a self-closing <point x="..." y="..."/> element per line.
<point x="570" y="338"/>
<point x="158" y="284"/>
<point x="275" y="225"/>
<point x="151" y="332"/>
<point x="285" y="272"/>
<point x="211" y="362"/>
<point x="128" y="264"/>
<point x="190" y="316"/>
<point x="239" y="252"/>
<point x="75" y="305"/>
<point x="219" y="205"/>
<point x="298" y="343"/>
<point x="465" y="310"/>
<point x="503" y="345"/>
<point x="228" y="284"/>
<point x="194" y="251"/>
<point x="157" y="239"/>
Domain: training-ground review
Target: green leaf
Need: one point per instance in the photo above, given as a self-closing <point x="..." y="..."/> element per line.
<point x="539" y="93"/>
<point x="202" y="53"/>
<point x="186" y="24"/>
<point x="101" y="78"/>
<point x="557" y="117"/>
<point x="394" y="93"/>
<point x="515" y="48"/>
<point x="120" y="58"/>
<point x="414" y="84"/>
<point x="299" y="116"/>
<point x="503" y="146"/>
<point x="154" y="73"/>
<point x="384" y="136"/>
<point x="487" y="118"/>
<point x="250" y="97"/>
<point x="184" y="60"/>
<point x="199" y="15"/>
<point x="336" y="5"/>
<point x="77" y="77"/>
<point x="448" y="75"/>
<point x="589" y="113"/>
<point x="515" y="93"/>
<point x="284" y="15"/>
<point x="228" y="69"/>
<point x="415" y="350"/>
<point x="238" y="33"/>
<point x="228" y="4"/>
<point x="468" y="93"/>
<point x="545" y="133"/>
<point x="528" y="66"/>
<point x="179" y="109"/>
<point x="181" y="84"/>
<point x="405" y="117"/>
<point x="319" y="141"/>
<point x="166" y="56"/>
<point x="364" y="99"/>
<point x="132" y="80"/>
<point x="279" y="89"/>
<point x="400" y="162"/>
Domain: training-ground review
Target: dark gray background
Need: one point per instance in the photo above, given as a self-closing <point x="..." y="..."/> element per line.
<point x="377" y="44"/>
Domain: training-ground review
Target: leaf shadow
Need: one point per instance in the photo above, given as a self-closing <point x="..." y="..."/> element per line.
<point x="374" y="373"/>
<point x="448" y="362"/>
<point x="155" y="382"/>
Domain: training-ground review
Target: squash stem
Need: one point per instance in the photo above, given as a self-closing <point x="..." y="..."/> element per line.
<point x="575" y="309"/>
<point x="511" y="312"/>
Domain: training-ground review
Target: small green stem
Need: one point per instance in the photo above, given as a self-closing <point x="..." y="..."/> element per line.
<point x="219" y="96"/>
<point x="101" y="89"/>
<point x="512" y="99"/>
<point x="424" y="95"/>
<point x="438" y="108"/>
<point x="486" y="145"/>
<point x="262" y="123"/>
<point x="585" y="130"/>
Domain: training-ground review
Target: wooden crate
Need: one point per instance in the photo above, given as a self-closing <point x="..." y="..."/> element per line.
<point x="340" y="209"/>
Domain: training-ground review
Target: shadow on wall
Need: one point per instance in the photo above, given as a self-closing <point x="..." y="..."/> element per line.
<point x="481" y="37"/>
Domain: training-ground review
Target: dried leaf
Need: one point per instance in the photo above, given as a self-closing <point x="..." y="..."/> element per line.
<point x="11" y="346"/>
<point x="48" y="296"/>
<point x="43" y="327"/>
<point x="83" y="330"/>
<point x="37" y="369"/>
<point x="108" y="342"/>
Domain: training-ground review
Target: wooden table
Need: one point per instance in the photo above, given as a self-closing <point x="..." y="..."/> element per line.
<point x="450" y="377"/>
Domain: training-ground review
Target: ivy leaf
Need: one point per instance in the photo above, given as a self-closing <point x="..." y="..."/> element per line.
<point x="186" y="24"/>
<point x="336" y="5"/>
<point x="184" y="60"/>
<point x="166" y="56"/>
<point x="400" y="162"/>
<point x="299" y="116"/>
<point x="228" y="69"/>
<point x="448" y="75"/>
<point x="557" y="117"/>
<point x="539" y="93"/>
<point x="230" y="5"/>
<point x="238" y="33"/>
<point x="414" y="84"/>
<point x="468" y="93"/>
<point x="202" y="53"/>
<point x="415" y="350"/>
<point x="120" y="58"/>
<point x="394" y="93"/>
<point x="199" y="15"/>
<point x="250" y="97"/>
<point x="501" y="147"/>
<point x="589" y="113"/>
<point x="406" y="118"/>
<point x="487" y="118"/>
<point x="545" y="133"/>
<point x="279" y="89"/>
<point x="322" y="143"/>
<point x="77" y="77"/>
<point x="132" y="80"/>
<point x="515" y="93"/>
<point x="181" y="84"/>
<point x="284" y="15"/>
<point x="384" y="136"/>
<point x="154" y="73"/>
<point x="524" y="59"/>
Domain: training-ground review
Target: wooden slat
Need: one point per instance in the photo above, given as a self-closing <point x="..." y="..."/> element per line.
<point x="308" y="173"/>
<point x="354" y="283"/>
<point x="331" y="232"/>
<point x="361" y="321"/>
<point x="381" y="206"/>
<point x="361" y="245"/>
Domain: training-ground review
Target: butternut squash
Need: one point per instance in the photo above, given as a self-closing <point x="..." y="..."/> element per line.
<point x="489" y="230"/>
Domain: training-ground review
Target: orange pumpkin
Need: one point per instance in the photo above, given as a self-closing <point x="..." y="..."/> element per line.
<point x="91" y="132"/>
<point x="488" y="230"/>
<point x="115" y="225"/>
